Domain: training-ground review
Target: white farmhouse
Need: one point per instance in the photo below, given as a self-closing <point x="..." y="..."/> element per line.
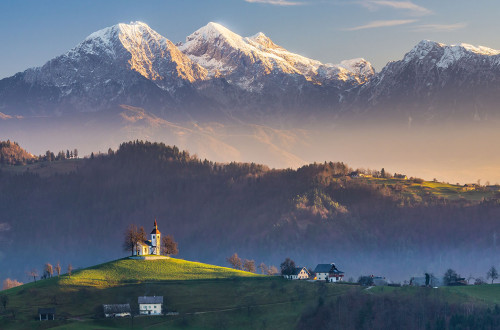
<point x="299" y="273"/>
<point x="151" y="246"/>
<point x="328" y="273"/>
<point x="150" y="305"/>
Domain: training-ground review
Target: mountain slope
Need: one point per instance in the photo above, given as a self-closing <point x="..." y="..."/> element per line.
<point x="218" y="74"/>
<point x="247" y="60"/>
<point x="12" y="154"/>
<point x="214" y="210"/>
<point x="125" y="63"/>
<point x="436" y="82"/>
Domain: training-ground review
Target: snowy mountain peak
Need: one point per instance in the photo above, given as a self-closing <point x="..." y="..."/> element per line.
<point x="359" y="66"/>
<point x="446" y="53"/>
<point x="213" y="31"/>
<point x="244" y="60"/>
<point x="263" y="40"/>
<point x="422" y="49"/>
<point x="480" y="50"/>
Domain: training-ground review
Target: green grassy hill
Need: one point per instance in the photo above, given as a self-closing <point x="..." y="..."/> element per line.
<point x="421" y="190"/>
<point x="206" y="296"/>
<point x="137" y="271"/>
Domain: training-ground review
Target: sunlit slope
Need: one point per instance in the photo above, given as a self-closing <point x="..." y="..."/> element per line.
<point x="136" y="271"/>
<point x="420" y="190"/>
<point x="204" y="296"/>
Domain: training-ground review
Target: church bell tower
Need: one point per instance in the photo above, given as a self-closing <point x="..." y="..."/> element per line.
<point x="155" y="240"/>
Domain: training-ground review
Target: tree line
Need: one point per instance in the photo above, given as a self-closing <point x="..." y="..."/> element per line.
<point x="265" y="213"/>
<point x="249" y="265"/>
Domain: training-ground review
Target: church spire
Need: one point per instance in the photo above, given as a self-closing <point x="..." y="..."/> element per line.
<point x="155" y="229"/>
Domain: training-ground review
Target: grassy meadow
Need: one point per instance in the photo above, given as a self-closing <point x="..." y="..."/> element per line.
<point x="205" y="296"/>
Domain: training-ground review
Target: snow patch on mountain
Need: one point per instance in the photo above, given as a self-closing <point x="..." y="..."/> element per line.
<point x="445" y="55"/>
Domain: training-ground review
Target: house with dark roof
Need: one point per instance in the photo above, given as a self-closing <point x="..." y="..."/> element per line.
<point x="150" y="305"/>
<point x="299" y="273"/>
<point x="117" y="310"/>
<point x="328" y="273"/>
<point x="47" y="314"/>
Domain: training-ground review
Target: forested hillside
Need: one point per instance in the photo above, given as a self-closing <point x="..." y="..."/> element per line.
<point x="12" y="154"/>
<point x="314" y="214"/>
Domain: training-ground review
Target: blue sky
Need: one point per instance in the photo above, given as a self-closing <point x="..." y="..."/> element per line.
<point x="34" y="31"/>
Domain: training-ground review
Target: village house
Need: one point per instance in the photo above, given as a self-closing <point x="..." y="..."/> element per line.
<point x="328" y="273"/>
<point x="151" y="246"/>
<point x="379" y="281"/>
<point x="150" y="305"/>
<point x="47" y="314"/>
<point x="299" y="273"/>
<point x="117" y="310"/>
<point x="469" y="187"/>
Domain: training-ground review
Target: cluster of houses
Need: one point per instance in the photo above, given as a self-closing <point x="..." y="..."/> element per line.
<point x="322" y="272"/>
<point x="148" y="305"/>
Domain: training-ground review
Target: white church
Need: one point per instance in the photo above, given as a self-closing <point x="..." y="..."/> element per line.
<point x="151" y="246"/>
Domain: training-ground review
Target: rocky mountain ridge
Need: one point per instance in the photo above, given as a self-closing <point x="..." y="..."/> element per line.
<point x="217" y="74"/>
<point x="435" y="81"/>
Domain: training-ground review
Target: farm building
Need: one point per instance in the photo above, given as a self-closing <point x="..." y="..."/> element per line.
<point x="117" y="310"/>
<point x="328" y="273"/>
<point x="150" y="305"/>
<point x="299" y="273"/>
<point x="47" y="314"/>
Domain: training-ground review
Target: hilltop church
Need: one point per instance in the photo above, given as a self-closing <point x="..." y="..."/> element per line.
<point x="151" y="246"/>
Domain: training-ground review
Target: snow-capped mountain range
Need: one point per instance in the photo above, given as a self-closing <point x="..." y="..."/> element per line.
<point x="217" y="72"/>
<point x="244" y="61"/>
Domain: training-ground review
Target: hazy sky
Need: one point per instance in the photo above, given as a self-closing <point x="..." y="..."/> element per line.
<point x="34" y="31"/>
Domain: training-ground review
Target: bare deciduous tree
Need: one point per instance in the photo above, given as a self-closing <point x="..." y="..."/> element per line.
<point x="58" y="268"/>
<point x="140" y="238"/>
<point x="272" y="270"/>
<point x="263" y="268"/>
<point x="70" y="269"/>
<point x="130" y="241"/>
<point x="235" y="261"/>
<point x="492" y="273"/>
<point x="169" y="245"/>
<point x="287" y="267"/>
<point x="33" y="273"/>
<point x="249" y="266"/>
<point x="48" y="269"/>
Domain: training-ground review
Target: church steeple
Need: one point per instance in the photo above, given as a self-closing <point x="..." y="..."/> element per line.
<point x="155" y="240"/>
<point x="155" y="229"/>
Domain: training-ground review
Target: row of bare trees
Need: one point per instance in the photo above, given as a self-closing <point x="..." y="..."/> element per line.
<point x="134" y="236"/>
<point x="48" y="271"/>
<point x="249" y="265"/>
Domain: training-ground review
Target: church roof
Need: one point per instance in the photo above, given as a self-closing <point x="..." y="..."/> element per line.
<point x="148" y="243"/>
<point x="155" y="230"/>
